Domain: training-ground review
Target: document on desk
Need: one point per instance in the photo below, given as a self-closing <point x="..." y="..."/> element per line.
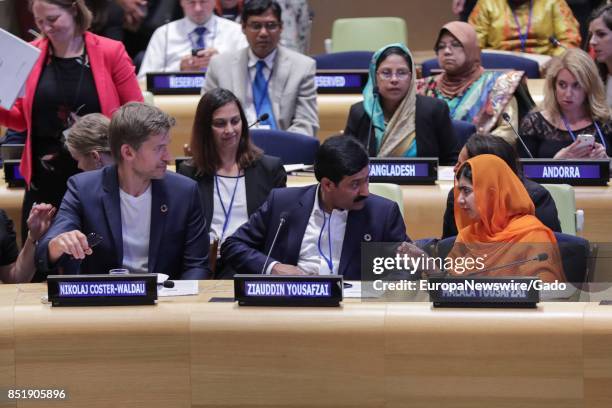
<point x="17" y="59"/>
<point x="354" y="291"/>
<point x="181" y="288"/>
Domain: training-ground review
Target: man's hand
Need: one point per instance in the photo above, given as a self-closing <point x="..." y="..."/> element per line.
<point x="39" y="220"/>
<point x="198" y="62"/>
<point x="285" y="269"/>
<point x="73" y="243"/>
<point x="134" y="12"/>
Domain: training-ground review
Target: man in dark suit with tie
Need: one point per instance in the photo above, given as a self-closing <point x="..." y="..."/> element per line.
<point x="136" y="215"/>
<point x="323" y="225"/>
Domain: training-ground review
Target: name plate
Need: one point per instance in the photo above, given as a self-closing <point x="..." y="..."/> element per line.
<point x="400" y="170"/>
<point x="175" y="83"/>
<point x="12" y="175"/>
<point x="274" y="290"/>
<point x="587" y="172"/>
<point x="519" y="292"/>
<point x="102" y="290"/>
<point x="332" y="81"/>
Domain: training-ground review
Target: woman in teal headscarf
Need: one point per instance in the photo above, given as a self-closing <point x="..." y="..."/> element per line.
<point x="393" y="121"/>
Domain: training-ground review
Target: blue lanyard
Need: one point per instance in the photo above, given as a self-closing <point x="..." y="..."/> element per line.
<point x="569" y="129"/>
<point x="329" y="261"/>
<point x="227" y="212"/>
<point x="523" y="37"/>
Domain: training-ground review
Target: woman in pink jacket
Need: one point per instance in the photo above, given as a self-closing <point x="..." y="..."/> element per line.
<point x="77" y="73"/>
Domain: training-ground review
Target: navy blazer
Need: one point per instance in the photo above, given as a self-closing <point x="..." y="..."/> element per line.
<point x="379" y="221"/>
<point x="435" y="136"/>
<point x="178" y="240"/>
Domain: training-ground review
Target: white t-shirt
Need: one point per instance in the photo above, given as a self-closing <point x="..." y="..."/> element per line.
<point x="136" y="230"/>
<point x="238" y="214"/>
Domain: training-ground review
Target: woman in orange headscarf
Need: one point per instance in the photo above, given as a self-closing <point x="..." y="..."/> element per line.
<point x="496" y="223"/>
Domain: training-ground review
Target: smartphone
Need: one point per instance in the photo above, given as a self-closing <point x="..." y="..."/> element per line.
<point x="586" y="139"/>
<point x="194" y="51"/>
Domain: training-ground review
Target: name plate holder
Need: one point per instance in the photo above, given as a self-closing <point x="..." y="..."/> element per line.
<point x="510" y="292"/>
<point x="583" y="172"/>
<point x="276" y="290"/>
<point x="404" y="170"/>
<point x="341" y="81"/>
<point x="102" y="290"/>
<point x="175" y="83"/>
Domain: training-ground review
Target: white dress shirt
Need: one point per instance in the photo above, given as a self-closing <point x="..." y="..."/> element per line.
<point x="175" y="40"/>
<point x="249" y="106"/>
<point x="313" y="252"/>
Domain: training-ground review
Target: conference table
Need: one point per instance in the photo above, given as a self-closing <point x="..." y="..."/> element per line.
<point x="191" y="352"/>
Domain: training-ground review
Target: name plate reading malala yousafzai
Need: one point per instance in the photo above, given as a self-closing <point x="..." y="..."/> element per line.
<point x="587" y="172"/>
<point x="404" y="171"/>
<point x="276" y="290"/>
<point x="102" y="290"/>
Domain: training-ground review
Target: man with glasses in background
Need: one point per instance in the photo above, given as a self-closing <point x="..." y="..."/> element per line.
<point x="188" y="44"/>
<point x="268" y="78"/>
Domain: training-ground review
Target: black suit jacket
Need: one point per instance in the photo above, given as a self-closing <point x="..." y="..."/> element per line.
<point x="435" y="136"/>
<point x="545" y="209"/>
<point x="260" y="178"/>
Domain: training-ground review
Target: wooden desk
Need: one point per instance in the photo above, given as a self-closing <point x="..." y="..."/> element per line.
<point x="186" y="352"/>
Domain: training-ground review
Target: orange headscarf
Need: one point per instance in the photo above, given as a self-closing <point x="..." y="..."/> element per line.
<point x="452" y="84"/>
<point x="507" y="230"/>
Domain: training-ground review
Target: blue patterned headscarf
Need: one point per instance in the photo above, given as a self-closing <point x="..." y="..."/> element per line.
<point x="373" y="107"/>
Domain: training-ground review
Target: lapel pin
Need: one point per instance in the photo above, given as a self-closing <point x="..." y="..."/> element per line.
<point x="164" y="208"/>
<point x="367" y="237"/>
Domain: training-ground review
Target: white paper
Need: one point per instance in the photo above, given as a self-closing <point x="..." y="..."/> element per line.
<point x="446" y="173"/>
<point x="16" y="62"/>
<point x="181" y="288"/>
<point x="354" y="291"/>
<point x="297" y="167"/>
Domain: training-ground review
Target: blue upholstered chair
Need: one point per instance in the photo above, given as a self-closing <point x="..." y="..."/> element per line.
<point x="463" y="131"/>
<point x="292" y="148"/>
<point x="495" y="61"/>
<point x="344" y="60"/>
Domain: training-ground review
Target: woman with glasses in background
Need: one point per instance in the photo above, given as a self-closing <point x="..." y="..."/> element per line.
<point x="472" y="94"/>
<point x="393" y="120"/>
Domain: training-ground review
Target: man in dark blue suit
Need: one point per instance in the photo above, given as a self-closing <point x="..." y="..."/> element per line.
<point x="323" y="225"/>
<point x="149" y="221"/>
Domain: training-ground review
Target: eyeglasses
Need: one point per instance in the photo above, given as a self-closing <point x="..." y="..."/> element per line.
<point x="271" y="26"/>
<point x="400" y="74"/>
<point x="453" y="46"/>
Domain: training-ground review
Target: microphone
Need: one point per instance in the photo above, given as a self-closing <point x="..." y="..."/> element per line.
<point x="375" y="94"/>
<point x="506" y="118"/>
<point x="556" y="43"/>
<point x="166" y="24"/>
<point x="283" y="218"/>
<point x="539" y="258"/>
<point x="166" y="284"/>
<point x="262" y="118"/>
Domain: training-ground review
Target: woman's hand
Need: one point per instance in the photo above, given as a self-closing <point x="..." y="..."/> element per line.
<point x="576" y="150"/>
<point x="598" y="152"/>
<point x="39" y="220"/>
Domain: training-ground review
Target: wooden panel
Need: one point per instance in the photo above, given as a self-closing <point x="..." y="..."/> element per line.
<point x="598" y="356"/>
<point x="262" y="357"/>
